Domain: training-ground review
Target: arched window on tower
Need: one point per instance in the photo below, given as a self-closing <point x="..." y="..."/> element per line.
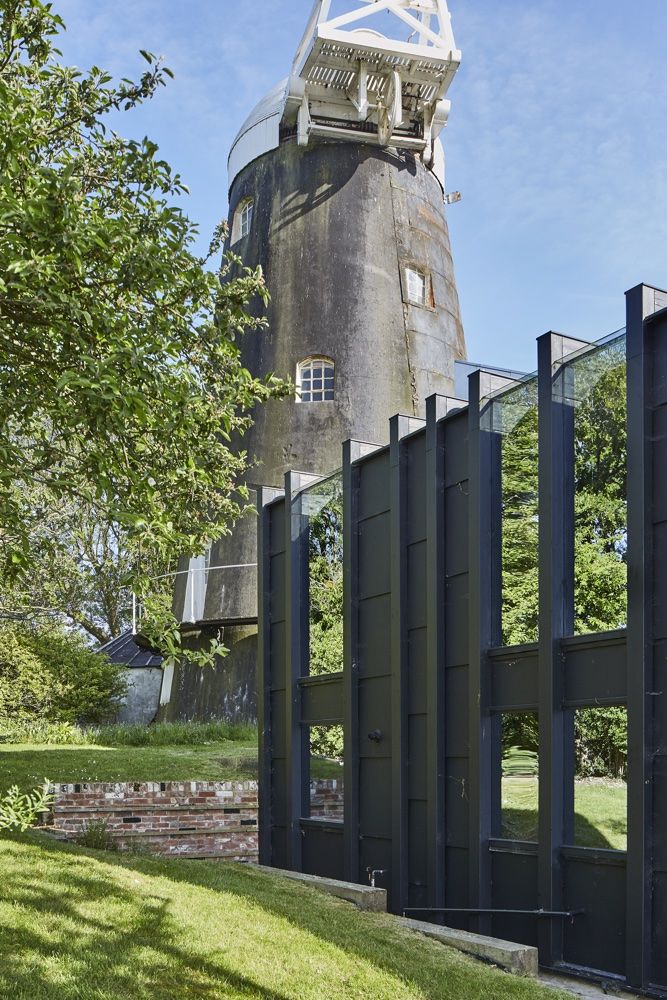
<point x="242" y="219"/>
<point x="315" y="379"/>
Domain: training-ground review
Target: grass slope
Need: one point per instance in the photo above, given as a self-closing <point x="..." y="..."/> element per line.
<point x="79" y="924"/>
<point x="26" y="765"/>
<point x="600" y="807"/>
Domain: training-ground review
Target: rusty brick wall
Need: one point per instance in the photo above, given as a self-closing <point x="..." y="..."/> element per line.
<point x="181" y="818"/>
<point x="326" y="799"/>
<point x="177" y="818"/>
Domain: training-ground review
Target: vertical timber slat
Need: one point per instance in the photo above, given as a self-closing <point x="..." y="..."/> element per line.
<point x="641" y="302"/>
<point x="352" y="452"/>
<point x="265" y="496"/>
<point x="399" y="427"/>
<point x="556" y="558"/>
<point x="485" y="618"/>
<point x="295" y="645"/>
<point x="437" y="408"/>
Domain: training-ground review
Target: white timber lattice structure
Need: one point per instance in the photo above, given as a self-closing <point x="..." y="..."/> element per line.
<point x="354" y="82"/>
<point x="349" y="77"/>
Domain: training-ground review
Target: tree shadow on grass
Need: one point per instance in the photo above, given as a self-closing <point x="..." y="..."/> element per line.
<point x="138" y="956"/>
<point x="434" y="973"/>
<point x="522" y="824"/>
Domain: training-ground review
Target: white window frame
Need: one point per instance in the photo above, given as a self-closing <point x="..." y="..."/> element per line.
<point x="312" y="389"/>
<point x="243" y="217"/>
<point x="417" y="286"/>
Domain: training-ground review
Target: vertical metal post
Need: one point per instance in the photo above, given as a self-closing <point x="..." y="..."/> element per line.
<point x="399" y="426"/>
<point x="556" y="619"/>
<point x="437" y="408"/>
<point x="352" y="452"/>
<point x="264" y="669"/>
<point x="485" y="624"/>
<point x="641" y="302"/>
<point x="296" y="640"/>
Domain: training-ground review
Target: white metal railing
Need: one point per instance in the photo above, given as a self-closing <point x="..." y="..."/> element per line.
<point x="189" y="590"/>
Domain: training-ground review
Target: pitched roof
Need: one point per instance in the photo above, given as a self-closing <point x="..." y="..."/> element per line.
<point x="125" y="650"/>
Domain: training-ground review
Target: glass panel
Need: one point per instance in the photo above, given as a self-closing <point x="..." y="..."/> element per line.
<point x="328" y="373"/>
<point x="317" y="372"/>
<point x="323" y="504"/>
<point x="305" y="397"/>
<point x="317" y="383"/>
<point x="515" y="418"/>
<point x="246" y="219"/>
<point x="326" y="772"/>
<point x="600" y="784"/>
<point x="594" y="384"/>
<point x="519" y="780"/>
<point x="328" y="395"/>
<point x="416" y="286"/>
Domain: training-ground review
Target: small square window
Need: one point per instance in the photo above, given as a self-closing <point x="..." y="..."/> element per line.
<point x="416" y="286"/>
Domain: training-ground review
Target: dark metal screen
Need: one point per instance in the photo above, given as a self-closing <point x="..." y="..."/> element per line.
<point x="428" y="681"/>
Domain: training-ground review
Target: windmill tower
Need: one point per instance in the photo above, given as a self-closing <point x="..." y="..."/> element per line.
<point x="336" y="187"/>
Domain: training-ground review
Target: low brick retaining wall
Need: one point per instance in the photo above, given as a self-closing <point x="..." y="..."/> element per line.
<point x="326" y="799"/>
<point x="182" y="818"/>
<point x="177" y="818"/>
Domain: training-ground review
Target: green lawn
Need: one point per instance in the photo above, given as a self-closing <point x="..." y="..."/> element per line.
<point x="600" y="808"/>
<point x="80" y="924"/>
<point x="27" y="765"/>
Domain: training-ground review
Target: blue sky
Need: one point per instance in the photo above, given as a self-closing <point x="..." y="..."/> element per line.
<point x="556" y="140"/>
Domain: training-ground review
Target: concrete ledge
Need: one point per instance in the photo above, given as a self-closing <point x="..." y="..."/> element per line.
<point x="520" y="959"/>
<point x="363" y="896"/>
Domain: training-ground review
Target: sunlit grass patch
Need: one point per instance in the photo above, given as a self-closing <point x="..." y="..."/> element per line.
<point x="79" y="924"/>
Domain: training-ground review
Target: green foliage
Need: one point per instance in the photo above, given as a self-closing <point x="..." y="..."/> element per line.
<point x="601" y="742"/>
<point x="596" y="391"/>
<point x="600" y="459"/>
<point x="520" y="729"/>
<point x="327" y="742"/>
<point x="518" y="413"/>
<point x="325" y="568"/>
<point x="159" y="734"/>
<point x="121" y="382"/>
<point x="20" y="810"/>
<point x="40" y="731"/>
<point x="518" y="761"/>
<point x="81" y="579"/>
<point x="97" y="836"/>
<point x="173" y="734"/>
<point x="325" y="610"/>
<point x="600" y="581"/>
<point x="46" y="674"/>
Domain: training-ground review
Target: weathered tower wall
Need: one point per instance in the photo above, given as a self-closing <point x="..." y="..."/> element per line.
<point x="334" y="226"/>
<point x="336" y="190"/>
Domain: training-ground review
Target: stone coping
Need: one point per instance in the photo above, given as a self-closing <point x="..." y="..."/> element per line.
<point x="138" y="787"/>
<point x="363" y="896"/>
<point x="521" y="959"/>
